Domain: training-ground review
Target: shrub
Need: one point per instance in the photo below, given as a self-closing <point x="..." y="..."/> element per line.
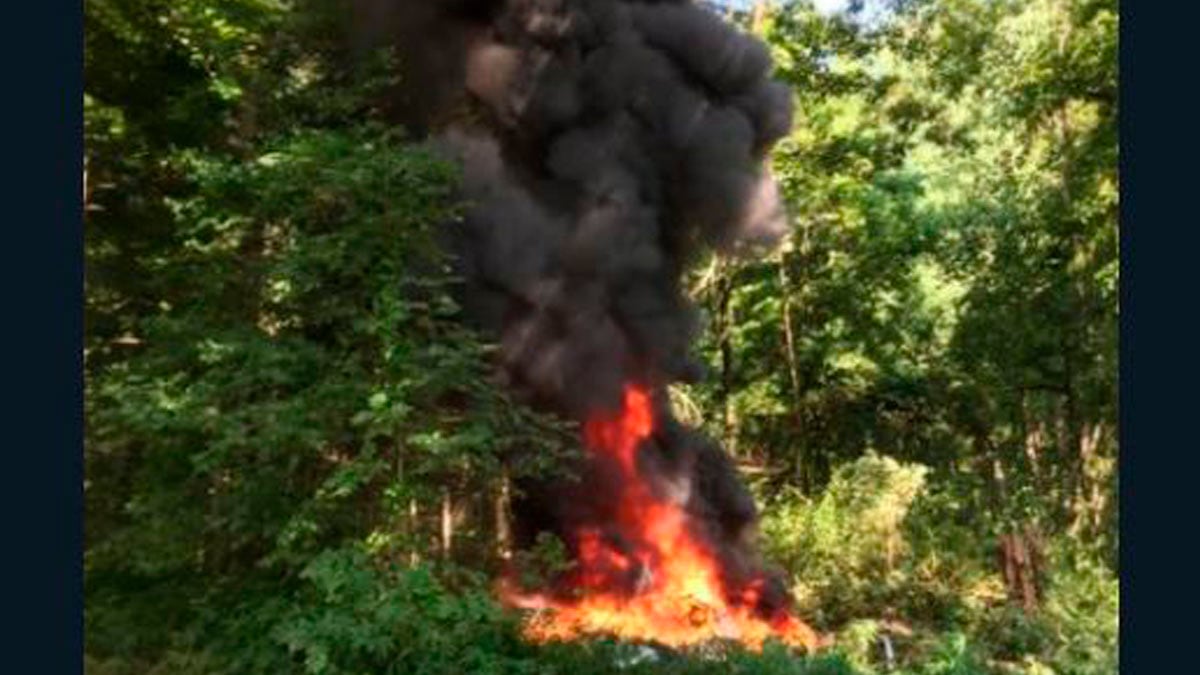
<point x="879" y="546"/>
<point x="846" y="549"/>
<point x="1082" y="613"/>
<point x="352" y="618"/>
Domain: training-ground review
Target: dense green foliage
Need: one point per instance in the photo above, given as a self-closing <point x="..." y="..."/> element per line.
<point x="296" y="460"/>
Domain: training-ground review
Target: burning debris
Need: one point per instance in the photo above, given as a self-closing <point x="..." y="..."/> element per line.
<point x="604" y="145"/>
<point x="644" y="571"/>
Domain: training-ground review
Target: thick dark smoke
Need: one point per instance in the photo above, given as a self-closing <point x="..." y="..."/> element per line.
<point x="604" y="144"/>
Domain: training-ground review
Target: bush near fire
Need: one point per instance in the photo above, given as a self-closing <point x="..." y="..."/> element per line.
<point x="491" y="336"/>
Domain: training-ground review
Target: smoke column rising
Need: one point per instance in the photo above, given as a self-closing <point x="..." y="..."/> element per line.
<point x="604" y="145"/>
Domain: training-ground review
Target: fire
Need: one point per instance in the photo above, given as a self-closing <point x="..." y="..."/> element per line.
<point x="664" y="584"/>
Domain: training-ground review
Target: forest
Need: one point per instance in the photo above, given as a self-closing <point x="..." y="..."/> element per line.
<point x="302" y="456"/>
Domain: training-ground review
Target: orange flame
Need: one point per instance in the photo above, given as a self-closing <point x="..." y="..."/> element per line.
<point x="678" y="596"/>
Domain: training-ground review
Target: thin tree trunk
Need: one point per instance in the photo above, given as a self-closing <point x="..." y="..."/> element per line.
<point x="789" y="344"/>
<point x="1031" y="433"/>
<point x="1073" y="451"/>
<point x="447" y="523"/>
<point x="414" y="554"/>
<point x="503" y="526"/>
<point x="725" y="347"/>
<point x="1089" y="501"/>
<point x="1064" y="453"/>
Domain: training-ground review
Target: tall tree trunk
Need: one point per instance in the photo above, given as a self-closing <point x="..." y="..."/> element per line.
<point x="789" y="347"/>
<point x="1073" y="452"/>
<point x="447" y="539"/>
<point x="414" y="524"/>
<point x="1033" y="433"/>
<point x="725" y="347"/>
<point x="1089" y="503"/>
<point x="503" y="526"/>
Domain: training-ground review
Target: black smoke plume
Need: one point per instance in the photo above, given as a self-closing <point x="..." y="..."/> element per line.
<point x="604" y="145"/>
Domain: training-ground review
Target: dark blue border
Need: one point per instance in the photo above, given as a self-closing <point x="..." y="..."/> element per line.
<point x="43" y="338"/>
<point x="1159" y="484"/>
